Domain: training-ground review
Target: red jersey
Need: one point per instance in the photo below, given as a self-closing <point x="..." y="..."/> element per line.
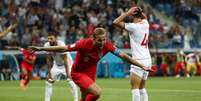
<point x="30" y="56"/>
<point x="88" y="55"/>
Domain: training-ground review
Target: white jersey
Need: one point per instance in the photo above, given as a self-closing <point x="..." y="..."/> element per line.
<point x="58" y="57"/>
<point x="138" y="33"/>
<point x="191" y="58"/>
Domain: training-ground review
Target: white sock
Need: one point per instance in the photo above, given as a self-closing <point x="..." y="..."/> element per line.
<point x="135" y="94"/>
<point x="48" y="91"/>
<point x="73" y="90"/>
<point x="143" y="95"/>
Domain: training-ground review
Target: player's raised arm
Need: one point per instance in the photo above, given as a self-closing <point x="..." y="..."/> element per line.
<point x="7" y="30"/>
<point x="119" y="21"/>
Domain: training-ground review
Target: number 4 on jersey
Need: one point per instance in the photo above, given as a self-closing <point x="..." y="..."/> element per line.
<point x="145" y="41"/>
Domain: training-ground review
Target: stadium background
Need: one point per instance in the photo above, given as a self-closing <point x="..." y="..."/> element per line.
<point x="174" y="24"/>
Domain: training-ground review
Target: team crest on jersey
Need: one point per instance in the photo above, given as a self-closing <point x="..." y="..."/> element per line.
<point x="72" y="45"/>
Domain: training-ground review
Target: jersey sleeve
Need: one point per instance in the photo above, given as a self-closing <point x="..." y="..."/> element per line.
<point x="113" y="49"/>
<point x="130" y="27"/>
<point x="77" y="46"/>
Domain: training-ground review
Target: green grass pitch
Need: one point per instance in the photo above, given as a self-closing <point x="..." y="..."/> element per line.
<point x="159" y="89"/>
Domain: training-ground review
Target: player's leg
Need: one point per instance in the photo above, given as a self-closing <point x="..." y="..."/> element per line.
<point x="194" y="69"/>
<point x="29" y="74"/>
<point x="135" y="81"/>
<point x="93" y="92"/>
<point x="90" y="90"/>
<point x="176" y="69"/>
<point x="49" y="83"/>
<point x="72" y="85"/>
<point x="48" y="90"/>
<point x="187" y="69"/>
<point x="24" y="78"/>
<point x="143" y="92"/>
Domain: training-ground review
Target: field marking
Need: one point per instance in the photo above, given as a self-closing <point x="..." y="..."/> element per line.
<point x="122" y="89"/>
<point x="162" y="90"/>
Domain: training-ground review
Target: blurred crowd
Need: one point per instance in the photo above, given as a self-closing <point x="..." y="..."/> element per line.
<point x="185" y="32"/>
<point x="72" y="20"/>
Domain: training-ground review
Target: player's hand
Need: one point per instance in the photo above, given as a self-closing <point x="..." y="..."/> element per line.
<point x="68" y="77"/>
<point x="132" y="10"/>
<point x="12" y="27"/>
<point x="35" y="48"/>
<point x="49" y="79"/>
<point x="151" y="70"/>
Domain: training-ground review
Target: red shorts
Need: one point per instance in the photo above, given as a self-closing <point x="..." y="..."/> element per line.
<point x="28" y="68"/>
<point x="82" y="80"/>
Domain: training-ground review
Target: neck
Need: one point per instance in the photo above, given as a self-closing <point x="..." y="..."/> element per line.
<point x="136" y="20"/>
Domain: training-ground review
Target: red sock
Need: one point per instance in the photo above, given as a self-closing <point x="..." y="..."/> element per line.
<point x="91" y="97"/>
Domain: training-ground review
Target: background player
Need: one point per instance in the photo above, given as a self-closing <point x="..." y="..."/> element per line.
<point x="192" y="61"/>
<point x="58" y="64"/>
<point x="180" y="64"/>
<point x="89" y="52"/>
<point x="27" y="64"/>
<point x="7" y="30"/>
<point x="138" y="32"/>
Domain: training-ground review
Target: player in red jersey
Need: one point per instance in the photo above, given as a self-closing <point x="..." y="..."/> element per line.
<point x="89" y="52"/>
<point x="26" y="65"/>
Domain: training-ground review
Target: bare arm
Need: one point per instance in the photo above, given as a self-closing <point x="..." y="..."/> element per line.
<point x="7" y="30"/>
<point x="49" y="61"/>
<point x="128" y="59"/>
<point x="68" y="76"/>
<point x="51" y="48"/>
<point x="119" y="21"/>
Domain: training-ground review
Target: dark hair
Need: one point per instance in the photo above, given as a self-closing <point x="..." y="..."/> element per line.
<point x="51" y="33"/>
<point x="99" y="31"/>
<point x="138" y="13"/>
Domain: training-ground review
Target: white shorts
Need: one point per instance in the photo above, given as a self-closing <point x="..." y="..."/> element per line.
<point x="139" y="71"/>
<point x="57" y="71"/>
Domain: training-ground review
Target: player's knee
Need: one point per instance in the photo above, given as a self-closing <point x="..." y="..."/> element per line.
<point x="98" y="92"/>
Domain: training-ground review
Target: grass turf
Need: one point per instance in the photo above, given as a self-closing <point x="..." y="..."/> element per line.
<point x="159" y="89"/>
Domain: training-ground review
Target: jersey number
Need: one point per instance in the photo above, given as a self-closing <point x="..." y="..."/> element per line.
<point x="145" y="41"/>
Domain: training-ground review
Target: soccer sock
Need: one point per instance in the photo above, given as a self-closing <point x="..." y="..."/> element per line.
<point x="143" y="95"/>
<point x="48" y="91"/>
<point x="135" y="94"/>
<point x="73" y="90"/>
<point x="91" y="97"/>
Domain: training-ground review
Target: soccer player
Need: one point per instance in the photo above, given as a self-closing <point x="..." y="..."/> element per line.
<point x="58" y="64"/>
<point x="192" y="61"/>
<point x="138" y="32"/>
<point x="180" y="64"/>
<point x="7" y="30"/>
<point x="89" y="52"/>
<point x="26" y="65"/>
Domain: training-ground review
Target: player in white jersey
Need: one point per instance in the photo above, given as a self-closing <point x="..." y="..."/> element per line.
<point x="192" y="62"/>
<point x="58" y="64"/>
<point x="138" y="32"/>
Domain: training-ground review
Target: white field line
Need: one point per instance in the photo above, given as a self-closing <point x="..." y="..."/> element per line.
<point x="118" y="89"/>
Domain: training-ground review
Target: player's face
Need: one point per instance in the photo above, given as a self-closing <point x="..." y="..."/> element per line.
<point x="99" y="40"/>
<point x="52" y="40"/>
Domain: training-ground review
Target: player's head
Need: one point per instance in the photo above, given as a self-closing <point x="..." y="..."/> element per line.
<point x="99" y="36"/>
<point x="52" y="39"/>
<point x="137" y="13"/>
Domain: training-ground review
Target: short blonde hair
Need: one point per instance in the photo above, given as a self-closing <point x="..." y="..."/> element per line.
<point x="99" y="31"/>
